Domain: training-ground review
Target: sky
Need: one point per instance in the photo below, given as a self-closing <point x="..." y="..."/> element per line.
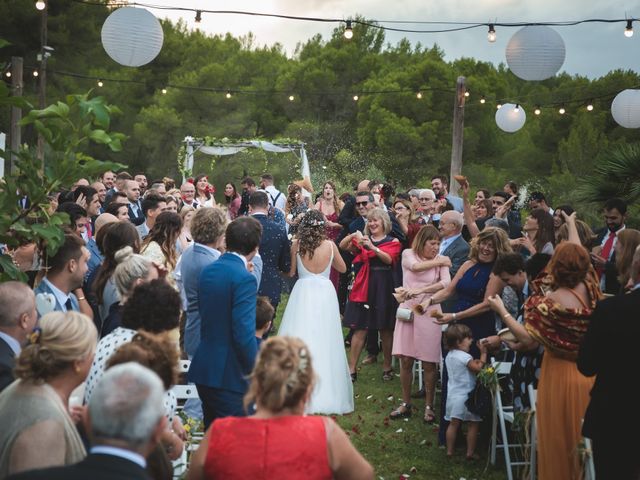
<point x="592" y="50"/>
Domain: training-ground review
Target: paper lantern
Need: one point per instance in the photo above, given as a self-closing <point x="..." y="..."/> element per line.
<point x="535" y="52"/>
<point x="510" y="117"/>
<point x="625" y="108"/>
<point x="132" y="36"/>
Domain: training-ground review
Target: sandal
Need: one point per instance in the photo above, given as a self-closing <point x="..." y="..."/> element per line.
<point x="429" y="414"/>
<point x="403" y="411"/>
<point x="387" y="375"/>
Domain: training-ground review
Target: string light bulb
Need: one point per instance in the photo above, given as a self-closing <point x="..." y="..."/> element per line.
<point x="628" y="31"/>
<point x="164" y="91"/>
<point x="562" y="111"/>
<point x="348" y="31"/>
<point x="466" y="93"/>
<point x="35" y="73"/>
<point x="228" y="95"/>
<point x="498" y="106"/>
<point x="419" y="95"/>
<point x="482" y="100"/>
<point x="291" y="98"/>
<point x="356" y="98"/>
<point x="40" y="5"/>
<point x="537" y="110"/>
<point x="590" y="106"/>
<point x="491" y="35"/>
<point x="8" y="74"/>
<point x="100" y="84"/>
<point x="198" y="16"/>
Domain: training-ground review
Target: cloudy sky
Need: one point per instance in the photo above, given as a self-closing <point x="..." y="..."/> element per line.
<point x="592" y="50"/>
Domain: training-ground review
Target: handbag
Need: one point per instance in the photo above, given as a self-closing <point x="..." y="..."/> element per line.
<point x="404" y="314"/>
<point x="479" y="400"/>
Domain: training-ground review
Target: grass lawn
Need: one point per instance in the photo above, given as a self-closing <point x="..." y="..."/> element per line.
<point x="403" y="447"/>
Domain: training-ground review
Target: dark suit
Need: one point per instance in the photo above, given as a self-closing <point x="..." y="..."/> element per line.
<point x="94" y="467"/>
<point x="137" y="218"/>
<point x="227" y="350"/>
<point x="7" y="362"/>
<point x="458" y="253"/>
<point x="275" y="251"/>
<point x="608" y="352"/>
<point x="611" y="283"/>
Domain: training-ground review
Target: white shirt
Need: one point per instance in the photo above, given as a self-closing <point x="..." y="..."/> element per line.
<point x="120" y="452"/>
<point x="273" y="192"/>
<point x="61" y="297"/>
<point x="448" y="241"/>
<point x="14" y="344"/>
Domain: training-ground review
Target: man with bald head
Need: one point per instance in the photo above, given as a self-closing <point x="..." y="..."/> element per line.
<point x="18" y="317"/>
<point x="132" y="189"/>
<point x="452" y="244"/>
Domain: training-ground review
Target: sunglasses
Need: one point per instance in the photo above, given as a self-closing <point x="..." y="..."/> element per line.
<point x="362" y="204"/>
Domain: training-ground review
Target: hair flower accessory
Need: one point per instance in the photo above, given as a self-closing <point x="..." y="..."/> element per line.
<point x="34" y="336"/>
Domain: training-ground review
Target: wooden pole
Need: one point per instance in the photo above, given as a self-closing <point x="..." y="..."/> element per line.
<point x="42" y="87"/>
<point x="458" y="135"/>
<point x="15" y="136"/>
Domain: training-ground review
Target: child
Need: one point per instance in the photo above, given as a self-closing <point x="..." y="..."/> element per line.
<point x="462" y="369"/>
<point x="264" y="317"/>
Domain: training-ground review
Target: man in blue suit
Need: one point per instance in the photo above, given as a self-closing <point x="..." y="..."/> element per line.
<point x="274" y="249"/>
<point x="227" y="304"/>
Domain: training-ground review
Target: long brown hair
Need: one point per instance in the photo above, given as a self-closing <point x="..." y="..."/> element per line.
<point x="628" y="240"/>
<point x="118" y="236"/>
<point x="165" y="233"/>
<point x="311" y="232"/>
<point x="337" y="203"/>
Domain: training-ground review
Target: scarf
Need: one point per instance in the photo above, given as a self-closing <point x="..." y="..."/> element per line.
<point x="360" y="289"/>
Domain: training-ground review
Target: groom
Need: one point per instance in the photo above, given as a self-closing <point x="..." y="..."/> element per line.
<point x="228" y="348"/>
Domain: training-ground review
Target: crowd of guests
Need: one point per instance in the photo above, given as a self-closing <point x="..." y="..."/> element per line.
<point x="149" y="273"/>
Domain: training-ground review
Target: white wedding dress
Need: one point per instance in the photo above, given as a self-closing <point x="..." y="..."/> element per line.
<point x="313" y="315"/>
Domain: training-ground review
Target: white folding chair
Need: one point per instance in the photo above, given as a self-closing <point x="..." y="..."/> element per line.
<point x="533" y="399"/>
<point x="589" y="467"/>
<point x="183" y="366"/>
<point x="502" y="415"/>
<point x="183" y="393"/>
<point x="417" y="368"/>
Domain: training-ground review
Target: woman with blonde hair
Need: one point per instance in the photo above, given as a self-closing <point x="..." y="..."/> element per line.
<point x="279" y="441"/>
<point x="37" y="431"/>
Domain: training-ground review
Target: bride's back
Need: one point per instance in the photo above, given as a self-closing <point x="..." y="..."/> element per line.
<point x="322" y="256"/>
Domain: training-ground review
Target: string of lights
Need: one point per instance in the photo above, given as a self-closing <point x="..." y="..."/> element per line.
<point x="376" y="23"/>
<point x="561" y="106"/>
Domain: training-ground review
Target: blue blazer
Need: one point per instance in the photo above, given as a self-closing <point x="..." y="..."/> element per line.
<point x="458" y="253"/>
<point x="44" y="288"/>
<point x="275" y="252"/>
<point x="227" y="304"/>
<point x="193" y="261"/>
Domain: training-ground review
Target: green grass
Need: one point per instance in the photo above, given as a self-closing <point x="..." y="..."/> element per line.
<point x="412" y="451"/>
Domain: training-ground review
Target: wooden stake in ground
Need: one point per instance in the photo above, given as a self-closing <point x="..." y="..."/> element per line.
<point x="458" y="135"/>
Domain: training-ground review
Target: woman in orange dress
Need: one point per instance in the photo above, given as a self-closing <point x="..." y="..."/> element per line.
<point x="557" y="316"/>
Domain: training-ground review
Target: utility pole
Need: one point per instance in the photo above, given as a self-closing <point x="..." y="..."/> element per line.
<point x="458" y="135"/>
<point x="17" y="85"/>
<point x="42" y="88"/>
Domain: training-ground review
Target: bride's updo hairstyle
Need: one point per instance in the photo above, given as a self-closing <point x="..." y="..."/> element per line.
<point x="131" y="267"/>
<point x="282" y="376"/>
<point x="61" y="339"/>
<point x="311" y="232"/>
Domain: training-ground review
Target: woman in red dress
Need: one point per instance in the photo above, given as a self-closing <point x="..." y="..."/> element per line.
<point x="279" y="441"/>
<point x="331" y="205"/>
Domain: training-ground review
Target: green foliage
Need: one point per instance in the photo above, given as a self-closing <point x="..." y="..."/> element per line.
<point x="68" y="129"/>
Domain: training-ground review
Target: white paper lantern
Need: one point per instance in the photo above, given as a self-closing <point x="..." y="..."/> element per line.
<point x="625" y="108"/>
<point x="510" y="117"/>
<point x="535" y="52"/>
<point x="132" y="36"/>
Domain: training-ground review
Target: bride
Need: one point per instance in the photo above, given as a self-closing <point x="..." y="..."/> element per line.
<point x="313" y="315"/>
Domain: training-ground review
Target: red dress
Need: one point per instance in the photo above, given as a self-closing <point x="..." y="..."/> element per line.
<point x="279" y="448"/>
<point x="332" y="234"/>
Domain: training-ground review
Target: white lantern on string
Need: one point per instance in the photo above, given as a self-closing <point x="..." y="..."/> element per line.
<point x="132" y="36"/>
<point x="535" y="52"/>
<point x="510" y="117"/>
<point x="625" y="108"/>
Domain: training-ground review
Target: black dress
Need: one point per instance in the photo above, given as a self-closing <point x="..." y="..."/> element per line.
<point x="379" y="312"/>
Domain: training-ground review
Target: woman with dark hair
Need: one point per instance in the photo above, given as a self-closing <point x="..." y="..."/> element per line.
<point x="233" y="200"/>
<point x="331" y="206"/>
<point x="295" y="208"/>
<point x="408" y="219"/>
<point x="557" y="315"/>
<point x="160" y="245"/>
<point x="204" y="191"/>
<point x="313" y="314"/>
<point x="482" y="194"/>
<point x="118" y="236"/>
<point x="119" y="210"/>
<point x="558" y="218"/>
<point x="482" y="211"/>
<point x="539" y="233"/>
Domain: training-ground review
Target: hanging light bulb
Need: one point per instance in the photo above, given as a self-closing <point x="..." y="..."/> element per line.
<point x="419" y="95"/>
<point x="8" y="74"/>
<point x="100" y="84"/>
<point x="164" y="91"/>
<point x="482" y="100"/>
<point x="228" y="95"/>
<point x="499" y="106"/>
<point x="40" y="5"/>
<point x="562" y="111"/>
<point x="348" y="31"/>
<point x="491" y="35"/>
<point x="198" y="16"/>
<point x="537" y="111"/>
<point x="35" y="73"/>
<point x="628" y="31"/>
<point x="590" y="106"/>
<point x="356" y="98"/>
<point x="291" y="98"/>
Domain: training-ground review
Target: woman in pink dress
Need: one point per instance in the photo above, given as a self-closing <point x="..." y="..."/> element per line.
<point x="331" y="205"/>
<point x="424" y="273"/>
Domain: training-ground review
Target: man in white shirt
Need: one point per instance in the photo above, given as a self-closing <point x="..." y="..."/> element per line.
<point x="276" y="198"/>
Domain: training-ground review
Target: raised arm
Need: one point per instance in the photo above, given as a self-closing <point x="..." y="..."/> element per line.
<point x="344" y="460"/>
<point x="469" y="221"/>
<point x="525" y="341"/>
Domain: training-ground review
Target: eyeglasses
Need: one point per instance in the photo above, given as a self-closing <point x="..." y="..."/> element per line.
<point x="362" y="204"/>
